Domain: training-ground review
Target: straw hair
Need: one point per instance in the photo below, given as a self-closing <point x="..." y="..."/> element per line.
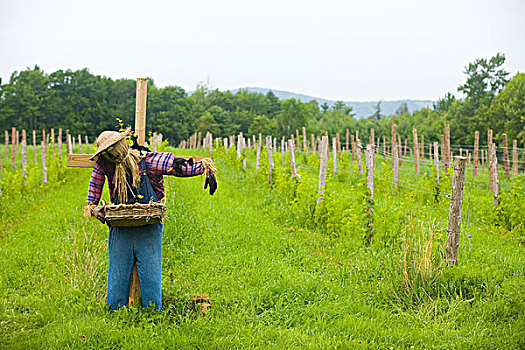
<point x="107" y="138"/>
<point x="126" y="162"/>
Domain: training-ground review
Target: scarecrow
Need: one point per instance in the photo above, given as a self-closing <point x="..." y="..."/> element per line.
<point x="135" y="175"/>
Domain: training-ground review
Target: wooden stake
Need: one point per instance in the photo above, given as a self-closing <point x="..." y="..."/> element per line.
<point x="384" y="149"/>
<point x="436" y="161"/>
<point x="140" y="111"/>
<point x="322" y="167"/>
<point x="291" y="148"/>
<point x="353" y="148"/>
<point x="482" y="160"/>
<point x="359" y="161"/>
<point x="270" y="158"/>
<point x="506" y="157"/>
<point x="454" y="217"/>
<point x="369" y="155"/>
<point x="514" y="157"/>
<point x="395" y="163"/>
<point x="44" y="168"/>
<point x="79" y="144"/>
<point x="476" y="153"/>
<point x="34" y="146"/>
<point x="493" y="168"/>
<point x="399" y="152"/>
<point x="257" y="157"/>
<point x="24" y="155"/>
<point x="60" y="143"/>
<point x="334" y="154"/>
<point x="394" y="138"/>
<point x="13" y="147"/>
<point x="6" y="145"/>
<point x="282" y="149"/>
<point x="305" y="144"/>
<point x="372" y="144"/>
<point x="312" y="141"/>
<point x="416" y="151"/>
<point x="347" y="144"/>
<point x="52" y="138"/>
<point x="422" y="153"/>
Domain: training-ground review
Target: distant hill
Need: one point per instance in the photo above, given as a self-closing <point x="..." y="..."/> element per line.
<point x="360" y="109"/>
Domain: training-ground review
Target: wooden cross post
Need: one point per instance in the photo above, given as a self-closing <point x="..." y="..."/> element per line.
<point x="82" y="161"/>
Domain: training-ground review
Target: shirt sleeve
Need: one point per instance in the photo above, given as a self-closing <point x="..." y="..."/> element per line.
<point x="163" y="163"/>
<point x="96" y="184"/>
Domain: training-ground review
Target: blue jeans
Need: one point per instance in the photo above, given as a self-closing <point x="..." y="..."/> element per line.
<point x="143" y="245"/>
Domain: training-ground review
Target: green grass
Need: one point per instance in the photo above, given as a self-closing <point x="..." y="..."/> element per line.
<point x="277" y="276"/>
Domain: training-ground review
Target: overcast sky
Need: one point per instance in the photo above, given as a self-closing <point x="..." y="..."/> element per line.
<point x="341" y="50"/>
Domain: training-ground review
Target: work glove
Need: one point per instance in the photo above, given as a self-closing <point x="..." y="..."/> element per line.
<point x="98" y="213"/>
<point x="212" y="182"/>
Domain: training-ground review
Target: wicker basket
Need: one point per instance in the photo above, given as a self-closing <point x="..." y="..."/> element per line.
<point x="134" y="214"/>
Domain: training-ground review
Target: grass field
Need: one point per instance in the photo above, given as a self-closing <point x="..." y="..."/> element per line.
<point x="279" y="275"/>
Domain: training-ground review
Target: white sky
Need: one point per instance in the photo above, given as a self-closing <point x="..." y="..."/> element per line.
<point x="342" y="50"/>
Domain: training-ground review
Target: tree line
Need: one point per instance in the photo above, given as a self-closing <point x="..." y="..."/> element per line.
<point x="88" y="104"/>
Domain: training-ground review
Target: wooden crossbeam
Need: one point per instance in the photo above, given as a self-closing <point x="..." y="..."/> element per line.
<point x="82" y="160"/>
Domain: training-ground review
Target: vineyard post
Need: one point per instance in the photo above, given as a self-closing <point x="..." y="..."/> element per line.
<point x="347" y="139"/>
<point x="60" y="143"/>
<point x="422" y="152"/>
<point x="291" y="147"/>
<point x="52" y="139"/>
<point x="86" y="142"/>
<point x="6" y="145"/>
<point x="225" y="143"/>
<point x="372" y="144"/>
<point x="199" y="137"/>
<point x="443" y="151"/>
<point x="369" y="156"/>
<point x="436" y="161"/>
<point x="493" y="168"/>
<point x="338" y="144"/>
<point x="384" y="149"/>
<point x="13" y="147"/>
<point x="416" y="151"/>
<point x="447" y="141"/>
<point x="353" y="148"/>
<point x="322" y="167"/>
<point x="69" y="145"/>
<point x="482" y="160"/>
<point x="394" y="139"/>
<point x="377" y="146"/>
<point x="270" y="158"/>
<point x="506" y="157"/>
<point x="514" y="157"/>
<point x="395" y="163"/>
<point x="305" y="144"/>
<point x="275" y="144"/>
<point x="489" y="140"/>
<point x="298" y="140"/>
<point x="399" y="152"/>
<point x="243" y="147"/>
<point x="334" y="154"/>
<point x="34" y="147"/>
<point x="454" y="217"/>
<point x="210" y="145"/>
<point x="44" y="168"/>
<point x="476" y="153"/>
<point x="24" y="155"/>
<point x="282" y="149"/>
<point x="79" y="143"/>
<point x="239" y="145"/>
<point x="312" y="140"/>
<point x="359" y="160"/>
<point x="254" y="141"/>
<point x="257" y="157"/>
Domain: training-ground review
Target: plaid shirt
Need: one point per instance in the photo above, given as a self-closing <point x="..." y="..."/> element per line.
<point x="157" y="165"/>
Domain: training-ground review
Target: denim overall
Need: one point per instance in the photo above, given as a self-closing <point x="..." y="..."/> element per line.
<point x="140" y="244"/>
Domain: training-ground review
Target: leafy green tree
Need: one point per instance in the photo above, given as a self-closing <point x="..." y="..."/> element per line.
<point x="485" y="78"/>
<point x="262" y="124"/>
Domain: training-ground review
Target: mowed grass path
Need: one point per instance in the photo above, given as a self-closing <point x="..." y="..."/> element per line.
<point x="272" y="285"/>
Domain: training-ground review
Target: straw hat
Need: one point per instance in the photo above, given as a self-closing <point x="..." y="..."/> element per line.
<point x="108" y="138"/>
